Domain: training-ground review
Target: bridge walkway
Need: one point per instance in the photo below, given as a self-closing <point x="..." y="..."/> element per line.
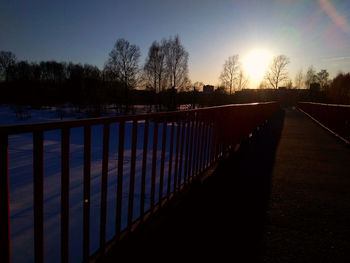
<point x="283" y="196"/>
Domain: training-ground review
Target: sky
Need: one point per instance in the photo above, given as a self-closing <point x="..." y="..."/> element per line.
<point x="309" y="32"/>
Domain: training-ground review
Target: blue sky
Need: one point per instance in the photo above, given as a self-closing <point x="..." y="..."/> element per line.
<point x="309" y="32"/>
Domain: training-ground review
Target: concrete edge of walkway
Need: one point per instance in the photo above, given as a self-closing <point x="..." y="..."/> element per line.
<point x="345" y="141"/>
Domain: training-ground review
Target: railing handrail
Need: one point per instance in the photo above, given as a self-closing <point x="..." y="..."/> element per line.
<point x="325" y="104"/>
<point x="53" y="125"/>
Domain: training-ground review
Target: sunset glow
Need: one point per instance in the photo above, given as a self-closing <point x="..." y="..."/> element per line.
<point x="256" y="63"/>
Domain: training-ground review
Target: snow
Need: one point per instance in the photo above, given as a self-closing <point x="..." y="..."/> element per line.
<point x="21" y="183"/>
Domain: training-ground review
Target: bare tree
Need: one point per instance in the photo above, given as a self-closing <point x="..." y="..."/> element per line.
<point x="230" y="72"/>
<point x="277" y="72"/>
<point x="322" y="78"/>
<point x="310" y="76"/>
<point x="7" y="60"/>
<point x="242" y="81"/>
<point x="176" y="59"/>
<point x="263" y="85"/>
<point x="299" y="79"/>
<point x="154" y="68"/>
<point x="123" y="62"/>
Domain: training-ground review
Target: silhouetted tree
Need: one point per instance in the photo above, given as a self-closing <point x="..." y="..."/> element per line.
<point x="289" y="84"/>
<point x="263" y="85"/>
<point x="21" y="71"/>
<point x="242" y="79"/>
<point x="277" y="72"/>
<point x="176" y="61"/>
<point x="322" y="78"/>
<point x="339" y="89"/>
<point x="230" y="72"/>
<point x="123" y="62"/>
<point x="52" y="71"/>
<point x="299" y="79"/>
<point x="7" y="60"/>
<point x="220" y="90"/>
<point x="155" y="66"/>
<point x="310" y="76"/>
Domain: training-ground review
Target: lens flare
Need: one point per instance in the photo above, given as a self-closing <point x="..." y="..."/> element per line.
<point x="333" y="14"/>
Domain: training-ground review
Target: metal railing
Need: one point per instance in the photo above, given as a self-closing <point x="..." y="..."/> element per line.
<point x="334" y="117"/>
<point x="192" y="141"/>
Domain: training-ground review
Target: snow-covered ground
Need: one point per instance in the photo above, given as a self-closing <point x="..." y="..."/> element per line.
<point x="21" y="183"/>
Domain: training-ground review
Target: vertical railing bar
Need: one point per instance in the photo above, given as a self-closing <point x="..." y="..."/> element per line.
<point x="191" y="148"/>
<point x="5" y="236"/>
<point x="213" y="141"/>
<point x="38" y="172"/>
<point x="205" y="160"/>
<point x="181" y="150"/>
<point x="164" y="137"/>
<point x="203" y="123"/>
<point x="86" y="209"/>
<point x="154" y="163"/>
<point x="161" y="180"/>
<point x="187" y="166"/>
<point x="171" y="156"/>
<point x="120" y="178"/>
<point x="104" y="182"/>
<point x="199" y="144"/>
<point x="178" y="130"/>
<point x="144" y="165"/>
<point x="65" y="174"/>
<point x="132" y="174"/>
<point x="208" y="155"/>
<point x="195" y="146"/>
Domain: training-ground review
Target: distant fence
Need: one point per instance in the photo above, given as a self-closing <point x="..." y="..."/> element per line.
<point x="335" y="117"/>
<point x="193" y="139"/>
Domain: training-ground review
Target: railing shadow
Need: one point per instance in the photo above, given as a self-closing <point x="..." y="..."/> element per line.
<point x="221" y="219"/>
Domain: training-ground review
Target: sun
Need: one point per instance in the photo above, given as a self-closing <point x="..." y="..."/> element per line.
<point x="255" y="64"/>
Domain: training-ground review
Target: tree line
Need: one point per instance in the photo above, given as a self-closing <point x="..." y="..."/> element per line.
<point x="319" y="85"/>
<point x="124" y="81"/>
<point x="164" y="71"/>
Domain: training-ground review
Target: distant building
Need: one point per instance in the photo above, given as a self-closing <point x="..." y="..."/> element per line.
<point x="208" y="89"/>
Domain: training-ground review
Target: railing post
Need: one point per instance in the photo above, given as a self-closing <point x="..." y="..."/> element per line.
<point x="199" y="142"/>
<point x="5" y="240"/>
<point x="120" y="178"/>
<point x="187" y="162"/>
<point x="170" y="156"/>
<point x="190" y="166"/>
<point x="154" y="162"/>
<point x="161" y="179"/>
<point x="104" y="180"/>
<point x="182" y="150"/>
<point x="132" y="174"/>
<point x="38" y="173"/>
<point x="144" y="164"/>
<point x="178" y="130"/>
<point x="86" y="207"/>
<point x="65" y="167"/>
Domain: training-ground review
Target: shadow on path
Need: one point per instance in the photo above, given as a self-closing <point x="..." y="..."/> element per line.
<point x="221" y="219"/>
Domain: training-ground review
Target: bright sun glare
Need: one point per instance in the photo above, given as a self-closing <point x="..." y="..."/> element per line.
<point x="256" y="63"/>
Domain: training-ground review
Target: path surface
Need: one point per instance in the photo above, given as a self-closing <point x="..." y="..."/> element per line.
<point x="284" y="196"/>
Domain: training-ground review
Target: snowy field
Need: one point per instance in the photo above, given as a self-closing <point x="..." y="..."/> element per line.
<point x="21" y="183"/>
